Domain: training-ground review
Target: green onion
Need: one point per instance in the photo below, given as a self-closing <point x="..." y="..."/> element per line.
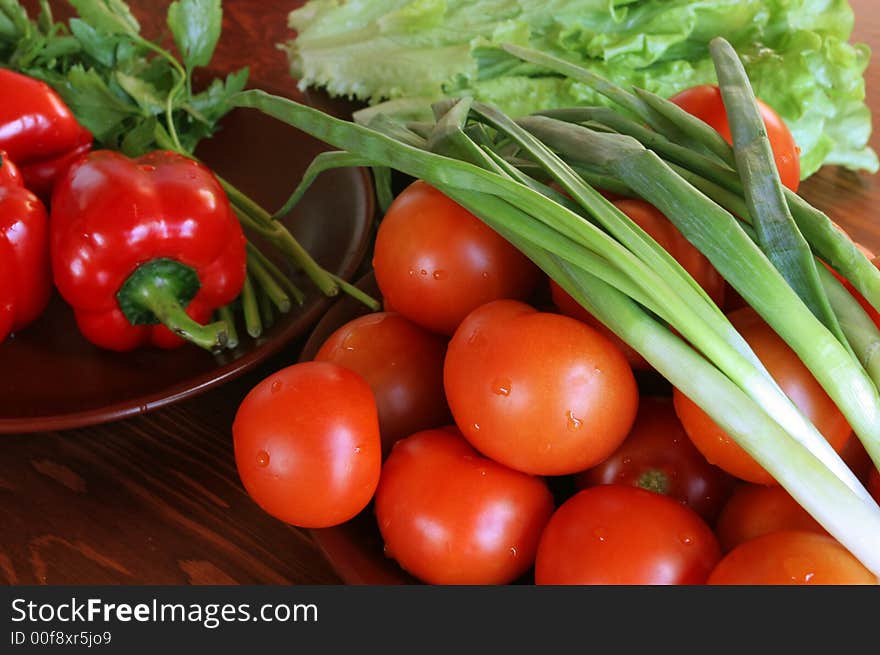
<point x="602" y="260"/>
<point x="225" y="314"/>
<point x="250" y="307"/>
<point x="268" y="284"/>
<point x="775" y="228"/>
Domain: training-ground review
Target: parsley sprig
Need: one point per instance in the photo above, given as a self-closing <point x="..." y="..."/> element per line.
<point x="135" y="96"/>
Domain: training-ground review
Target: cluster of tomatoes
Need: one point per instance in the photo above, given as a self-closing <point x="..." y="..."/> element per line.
<point x="495" y="441"/>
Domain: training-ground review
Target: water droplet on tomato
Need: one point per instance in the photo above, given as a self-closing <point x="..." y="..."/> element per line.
<point x="483" y="472"/>
<point x="485" y="275"/>
<point x="686" y="539"/>
<point x="477" y="427"/>
<point x="600" y="534"/>
<point x="357" y="450"/>
<point x="627" y="460"/>
<point x="477" y="339"/>
<point x="277" y="385"/>
<point x="147" y="168"/>
<point x="501" y="386"/>
<point x="574" y="422"/>
<point x="799" y="569"/>
<point x="440" y="275"/>
<point x="513" y="551"/>
<point x="263" y="458"/>
<point x="423" y="273"/>
<point x="412" y="272"/>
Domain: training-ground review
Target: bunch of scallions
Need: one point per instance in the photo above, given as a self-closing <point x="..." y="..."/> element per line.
<point x="767" y="242"/>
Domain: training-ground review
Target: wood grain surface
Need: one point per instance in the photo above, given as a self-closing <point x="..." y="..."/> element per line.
<point x="156" y="499"/>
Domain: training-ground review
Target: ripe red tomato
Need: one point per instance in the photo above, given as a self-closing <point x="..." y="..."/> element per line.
<point x="538" y="392"/>
<point x="307" y="444"/>
<point x="402" y="363"/>
<point x="791" y="557"/>
<point x="874" y="483"/>
<point x="658" y="456"/>
<point x="450" y="516"/>
<point x="705" y="103"/>
<point x="795" y="380"/>
<point x="435" y="262"/>
<point x="754" y="510"/>
<point x="622" y="535"/>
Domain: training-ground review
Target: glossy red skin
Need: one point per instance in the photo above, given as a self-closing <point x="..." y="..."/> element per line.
<point x="402" y="363"/>
<point x="111" y="214"/>
<point x="614" y="534"/>
<point x="435" y="262"/>
<point x="10" y="174"/>
<point x="705" y="103"/>
<point x="307" y="444"/>
<point x="450" y="516"/>
<point x="795" y="380"/>
<point x="24" y="227"/>
<point x="7" y="290"/>
<point x="37" y="129"/>
<point x="754" y="510"/>
<point x="790" y="557"/>
<point x="40" y="176"/>
<point x="658" y="456"/>
<point x="538" y="392"/>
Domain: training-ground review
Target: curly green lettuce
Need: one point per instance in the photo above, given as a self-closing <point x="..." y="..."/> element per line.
<point x="797" y="54"/>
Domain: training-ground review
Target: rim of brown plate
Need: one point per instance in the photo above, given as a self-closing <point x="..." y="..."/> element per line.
<point x="199" y="384"/>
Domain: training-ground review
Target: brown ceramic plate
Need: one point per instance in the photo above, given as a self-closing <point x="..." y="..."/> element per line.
<point x="354" y="549"/>
<point x="54" y="379"/>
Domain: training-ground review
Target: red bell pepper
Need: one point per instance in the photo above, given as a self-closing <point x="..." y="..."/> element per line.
<point x="24" y="235"/>
<point x="38" y="131"/>
<point x="145" y="250"/>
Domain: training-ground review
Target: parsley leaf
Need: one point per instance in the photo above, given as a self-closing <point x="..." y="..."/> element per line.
<point x="195" y="25"/>
<point x="108" y="16"/>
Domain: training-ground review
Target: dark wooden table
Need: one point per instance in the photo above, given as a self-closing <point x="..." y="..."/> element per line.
<point x="156" y="499"/>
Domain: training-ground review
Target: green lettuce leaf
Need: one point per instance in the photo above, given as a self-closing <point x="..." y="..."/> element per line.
<point x="413" y="52"/>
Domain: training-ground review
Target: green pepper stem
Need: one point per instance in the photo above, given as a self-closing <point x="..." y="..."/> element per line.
<point x="158" y="298"/>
